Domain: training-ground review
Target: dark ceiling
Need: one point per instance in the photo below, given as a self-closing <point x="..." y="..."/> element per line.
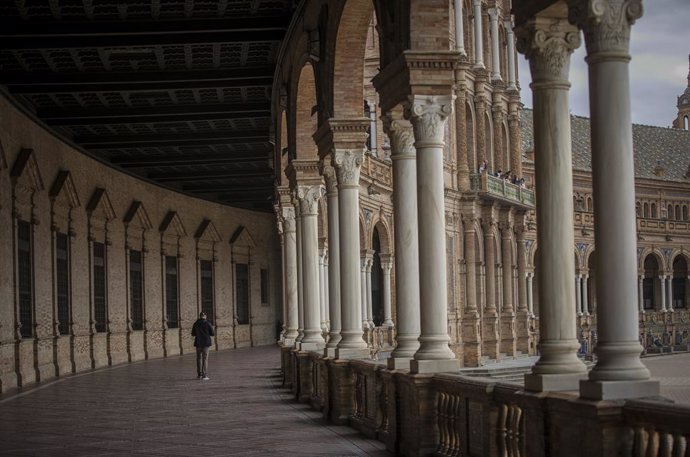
<point x="176" y="91"/>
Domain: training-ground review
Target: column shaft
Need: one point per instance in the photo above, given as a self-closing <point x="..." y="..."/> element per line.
<point x="364" y="300"/>
<point x="387" y="316"/>
<point x="669" y="285"/>
<point x="300" y="278"/>
<point x="578" y="294"/>
<point x="662" y="284"/>
<point x="511" y="55"/>
<point x="495" y="56"/>
<point x="530" y="294"/>
<point x="291" y="294"/>
<point x="459" y="32"/>
<point x="640" y="293"/>
<point x="478" y="34"/>
<point x="585" y="298"/>
<point x="370" y="307"/>
<point x="333" y="260"/>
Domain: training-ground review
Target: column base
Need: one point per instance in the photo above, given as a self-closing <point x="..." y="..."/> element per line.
<point x="554" y="382"/>
<point x="352" y="353"/>
<point x="329" y="352"/>
<point x="399" y="363"/>
<point x="434" y="366"/>
<point x="616" y="390"/>
<point x="313" y="347"/>
<point x="288" y="342"/>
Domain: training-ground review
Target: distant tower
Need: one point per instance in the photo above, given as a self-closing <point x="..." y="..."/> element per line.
<point x="683" y="119"/>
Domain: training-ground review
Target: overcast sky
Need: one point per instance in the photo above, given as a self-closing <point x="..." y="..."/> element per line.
<point x="660" y="46"/>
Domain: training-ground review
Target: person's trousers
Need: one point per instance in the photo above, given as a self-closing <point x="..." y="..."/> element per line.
<point x="202" y="361"/>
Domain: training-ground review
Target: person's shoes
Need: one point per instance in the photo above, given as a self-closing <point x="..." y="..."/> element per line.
<point x="199" y="377"/>
<point x="205" y="378"/>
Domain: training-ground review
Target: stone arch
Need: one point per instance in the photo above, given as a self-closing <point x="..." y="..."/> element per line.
<point x="652" y="266"/>
<point x="383" y="229"/>
<point x="281" y="153"/>
<point x="679" y="280"/>
<point x="656" y="253"/>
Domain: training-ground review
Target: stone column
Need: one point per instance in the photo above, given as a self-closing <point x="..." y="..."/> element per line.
<point x="640" y="293"/>
<point x="465" y="166"/>
<point x="508" y="342"/>
<point x="490" y="321"/>
<point x="403" y="155"/>
<point x="480" y="133"/>
<point x="578" y="294"/>
<point x="428" y="115"/>
<point x="495" y="56"/>
<point x="309" y="197"/>
<point x="300" y="276"/>
<point x="363" y="300"/>
<point x="333" y="260"/>
<point x="522" y="318"/>
<point x="662" y="284"/>
<point x="367" y="273"/>
<point x="585" y="299"/>
<point x="530" y="294"/>
<point x="347" y="164"/>
<point x="618" y="373"/>
<point x="471" y="323"/>
<point x="478" y="34"/>
<point x="322" y="290"/>
<point x="547" y="43"/>
<point x="669" y="294"/>
<point x="387" y="266"/>
<point x="292" y="317"/>
<point x="510" y="39"/>
<point x="459" y="32"/>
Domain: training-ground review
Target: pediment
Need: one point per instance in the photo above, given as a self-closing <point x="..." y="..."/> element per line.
<point x="172" y="222"/>
<point x="64" y="191"/>
<point x="207" y="232"/>
<point x="136" y="215"/>
<point x="99" y="205"/>
<point x="242" y="237"/>
<point x="26" y="170"/>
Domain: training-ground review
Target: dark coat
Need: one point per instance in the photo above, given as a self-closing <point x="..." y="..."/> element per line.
<point x="202" y="331"/>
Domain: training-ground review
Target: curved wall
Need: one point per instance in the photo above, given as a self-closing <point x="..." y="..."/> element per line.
<point x="49" y="190"/>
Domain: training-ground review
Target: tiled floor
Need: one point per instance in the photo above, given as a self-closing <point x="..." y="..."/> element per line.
<point x="159" y="408"/>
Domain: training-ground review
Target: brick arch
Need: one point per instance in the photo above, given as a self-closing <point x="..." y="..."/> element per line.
<point x="383" y="228"/>
<point x="657" y="254"/>
<point x="305" y="121"/>
<point x="281" y="148"/>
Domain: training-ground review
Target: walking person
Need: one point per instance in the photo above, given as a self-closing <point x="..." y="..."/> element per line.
<point x="202" y="331"/>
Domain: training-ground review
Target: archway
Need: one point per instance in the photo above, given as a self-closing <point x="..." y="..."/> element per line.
<point x="377" y="281"/>
<point x="679" y="284"/>
<point x="651" y="288"/>
<point x="592" y="284"/>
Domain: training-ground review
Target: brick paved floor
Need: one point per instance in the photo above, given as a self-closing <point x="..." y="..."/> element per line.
<point x="159" y="408"/>
<point x="673" y="372"/>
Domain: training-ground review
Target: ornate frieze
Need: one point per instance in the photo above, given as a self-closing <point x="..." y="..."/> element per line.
<point x="606" y="23"/>
<point x="547" y="43"/>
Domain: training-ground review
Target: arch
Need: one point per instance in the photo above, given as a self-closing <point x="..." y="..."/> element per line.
<point x="645" y="210"/>
<point x="685" y="212"/>
<point x="471" y="137"/>
<point x="349" y="57"/>
<point x="669" y="212"/>
<point x="679" y="282"/>
<point x="306" y="123"/>
<point x="589" y="204"/>
<point x="377" y="278"/>
<point x="653" y="211"/>
<point x="489" y="141"/>
<point x="686" y="122"/>
<point x="651" y="285"/>
<point x="363" y="233"/>
<point x="677" y="214"/>
<point x="384" y="231"/>
<point x="650" y="251"/>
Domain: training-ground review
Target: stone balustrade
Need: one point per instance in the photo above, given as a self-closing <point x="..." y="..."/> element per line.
<point x="502" y="189"/>
<point x="658" y="428"/>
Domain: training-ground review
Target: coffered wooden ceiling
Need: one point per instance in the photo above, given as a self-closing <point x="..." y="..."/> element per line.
<point x="175" y="91"/>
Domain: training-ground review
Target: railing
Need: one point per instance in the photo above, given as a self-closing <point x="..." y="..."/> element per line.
<point x="662" y="225"/>
<point x="377" y="169"/>
<point x="503" y="189"/>
<point x="660" y="429"/>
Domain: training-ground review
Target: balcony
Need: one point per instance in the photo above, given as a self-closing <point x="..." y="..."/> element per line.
<point x="492" y="187"/>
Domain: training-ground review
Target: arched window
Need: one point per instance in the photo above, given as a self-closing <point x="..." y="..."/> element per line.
<point x="654" y="211"/>
<point x="651" y="287"/>
<point x="685" y="212"/>
<point x="645" y="210"/>
<point x="377" y="281"/>
<point x="679" y="284"/>
<point x="678" y="217"/>
<point x="669" y="212"/>
<point x="638" y="208"/>
<point x="590" y="204"/>
<point x="686" y="123"/>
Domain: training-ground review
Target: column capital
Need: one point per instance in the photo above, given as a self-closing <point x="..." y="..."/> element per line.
<point x="493" y="13"/>
<point x="606" y="24"/>
<point x="401" y="134"/>
<point x="428" y="114"/>
<point x="547" y="43"/>
<point x="329" y="175"/>
<point x="309" y="196"/>
<point x="347" y="163"/>
<point x="287" y="215"/>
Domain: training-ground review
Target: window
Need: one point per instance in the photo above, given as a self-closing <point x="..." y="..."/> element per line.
<point x="136" y="290"/>
<point x="25" y="279"/>
<point x="264" y="286"/>
<point x="99" y="297"/>
<point x="654" y="211"/>
<point x="62" y="282"/>
<point x="242" y="277"/>
<point x="172" y="310"/>
<point x="206" y="273"/>
<point x="648" y="293"/>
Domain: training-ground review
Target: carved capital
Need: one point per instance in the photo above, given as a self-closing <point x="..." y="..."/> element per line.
<point x="329" y="176"/>
<point x="428" y="115"/>
<point x="606" y="24"/>
<point x="347" y="164"/>
<point x="401" y="135"/>
<point x="547" y="43"/>
<point x="309" y="197"/>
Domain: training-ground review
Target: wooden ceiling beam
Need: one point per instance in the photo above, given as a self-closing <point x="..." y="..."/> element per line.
<point x="171" y="139"/>
<point x="145" y="161"/>
<point x="206" y="175"/>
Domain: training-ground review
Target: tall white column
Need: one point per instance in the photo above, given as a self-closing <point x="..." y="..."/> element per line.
<point x="364" y="301"/>
<point x="372" y="129"/>
<point x="618" y="373"/>
<point x="367" y="273"/>
<point x="547" y="43"/>
<point x="387" y="266"/>
<point x="300" y="276"/>
<point x="333" y="260"/>
<point x="495" y="53"/>
<point x="325" y="284"/>
<point x="404" y="157"/>
<point x="347" y="165"/>
<point x="510" y="38"/>
<point x="669" y="293"/>
<point x="292" y="316"/>
<point x="662" y="284"/>
<point x="322" y="290"/>
<point x="478" y="34"/>
<point x="281" y="237"/>
<point x="309" y="197"/>
<point x="429" y="115"/>
<point x="578" y="294"/>
<point x="459" y="32"/>
<point x="530" y="296"/>
<point x="585" y="298"/>
<point x="640" y="293"/>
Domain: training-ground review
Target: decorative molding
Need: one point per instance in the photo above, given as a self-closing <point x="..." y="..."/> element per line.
<point x="64" y="185"/>
<point x="207" y="232"/>
<point x="172" y="219"/>
<point x="347" y="165"/>
<point x="309" y="197"/>
<point x="331" y="179"/>
<point x="100" y="200"/>
<point x="547" y="43"/>
<point x="136" y="209"/>
<point x="26" y="166"/>
<point x="428" y="115"/>
<point x="241" y="236"/>
<point x="401" y="135"/>
<point x="288" y="217"/>
<point x="606" y="24"/>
